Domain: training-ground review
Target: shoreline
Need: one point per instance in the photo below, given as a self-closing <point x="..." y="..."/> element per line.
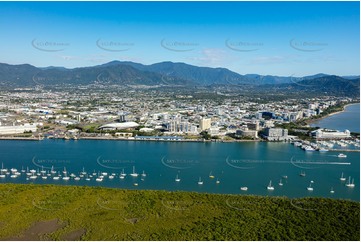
<point x="312" y="121"/>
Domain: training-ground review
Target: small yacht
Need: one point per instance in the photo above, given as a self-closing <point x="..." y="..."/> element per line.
<point x="134" y="174"/>
<point x="13" y="170"/>
<point x="280" y="183"/>
<point x="22" y="169"/>
<point x="87" y="178"/>
<point x="77" y="178"/>
<point x="341" y="155"/>
<point x="200" y="182"/>
<point x="52" y="171"/>
<point x="349" y="183"/>
<point x="72" y="175"/>
<point x="83" y="172"/>
<point x="32" y="171"/>
<point x="177" y="179"/>
<point x="123" y="173"/>
<point x="99" y="179"/>
<point x="44" y="177"/>
<point x="33" y="176"/>
<point x="42" y="170"/>
<point x="332" y="191"/>
<point x="302" y="173"/>
<point x="270" y="187"/>
<point x="342" y="178"/>
<point x="2" y="175"/>
<point x="244" y="188"/>
<point x="210" y="175"/>
<point x="56" y="178"/>
<point x="121" y="177"/>
<point x="143" y="174"/>
<point x="135" y="184"/>
<point x="104" y="173"/>
<point x="64" y="171"/>
<point x="2" y="168"/>
<point x="217" y="182"/>
<point x="284" y="177"/>
<point x="111" y="177"/>
<point x="13" y="176"/>
<point x="66" y="178"/>
<point x="28" y="173"/>
<point x="310" y="188"/>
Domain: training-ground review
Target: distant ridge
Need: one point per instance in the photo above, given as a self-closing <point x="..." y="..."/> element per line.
<point x="169" y="74"/>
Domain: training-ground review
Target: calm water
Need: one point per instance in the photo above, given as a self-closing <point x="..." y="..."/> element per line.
<point x="251" y="164"/>
<point x="349" y="119"/>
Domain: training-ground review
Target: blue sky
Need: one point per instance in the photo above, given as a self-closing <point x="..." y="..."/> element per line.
<point x="275" y="38"/>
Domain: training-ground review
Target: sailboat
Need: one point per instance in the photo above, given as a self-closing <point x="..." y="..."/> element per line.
<point x="52" y="171"/>
<point x="200" y="182"/>
<point x="42" y="170"/>
<point x="210" y="175"/>
<point x="332" y="191"/>
<point x="143" y="174"/>
<point x="177" y="179"/>
<point x="349" y="184"/>
<point x="134" y="174"/>
<point x="310" y="188"/>
<point x="302" y="173"/>
<point x="123" y="173"/>
<point x="280" y="183"/>
<point x="342" y="178"/>
<point x="1" y="174"/>
<point x="244" y="188"/>
<point x="57" y="177"/>
<point x="2" y="168"/>
<point x="64" y="171"/>
<point x="218" y="181"/>
<point x="270" y="187"/>
<point x="83" y="172"/>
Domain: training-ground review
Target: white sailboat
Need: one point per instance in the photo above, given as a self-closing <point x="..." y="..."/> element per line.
<point x="123" y="173"/>
<point x="217" y="181"/>
<point x="134" y="174"/>
<point x="177" y="179"/>
<point x="244" y="188"/>
<point x="52" y="171"/>
<point x="280" y="183"/>
<point x="200" y="182"/>
<point x="342" y="178"/>
<point x="332" y="191"/>
<point x="349" y="183"/>
<point x="143" y="174"/>
<point x="83" y="172"/>
<point x="270" y="187"/>
<point x="2" y="168"/>
<point x="310" y="188"/>
<point x="42" y="170"/>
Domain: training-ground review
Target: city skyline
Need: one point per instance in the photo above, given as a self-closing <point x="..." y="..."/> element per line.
<point x="267" y="38"/>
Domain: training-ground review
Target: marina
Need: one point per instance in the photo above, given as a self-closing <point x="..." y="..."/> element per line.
<point x="242" y="167"/>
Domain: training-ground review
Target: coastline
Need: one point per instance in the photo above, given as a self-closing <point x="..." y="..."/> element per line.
<point x="311" y="121"/>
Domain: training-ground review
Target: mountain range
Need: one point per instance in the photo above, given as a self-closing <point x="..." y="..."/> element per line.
<point x="168" y="74"/>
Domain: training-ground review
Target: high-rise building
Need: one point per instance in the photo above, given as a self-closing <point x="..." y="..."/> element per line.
<point x="205" y="124"/>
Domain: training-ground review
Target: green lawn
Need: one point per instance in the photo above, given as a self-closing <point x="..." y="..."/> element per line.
<point x="115" y="214"/>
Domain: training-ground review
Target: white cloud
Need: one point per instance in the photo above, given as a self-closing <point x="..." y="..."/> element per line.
<point x="211" y="57"/>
